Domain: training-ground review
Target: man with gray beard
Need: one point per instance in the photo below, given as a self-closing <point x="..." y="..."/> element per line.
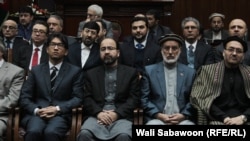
<point x="166" y="87"/>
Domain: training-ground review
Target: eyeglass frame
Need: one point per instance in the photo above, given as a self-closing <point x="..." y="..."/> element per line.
<point x="109" y="48"/>
<point x="58" y="45"/>
<point x="232" y="50"/>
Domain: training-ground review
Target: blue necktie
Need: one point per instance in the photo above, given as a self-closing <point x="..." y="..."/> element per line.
<point x="191" y="52"/>
<point x="139" y="46"/>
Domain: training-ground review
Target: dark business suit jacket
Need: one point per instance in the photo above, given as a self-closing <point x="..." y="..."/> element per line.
<point x="152" y="52"/>
<point x="108" y="24"/>
<point x="127" y="91"/>
<point x="36" y="91"/>
<point x="74" y="56"/>
<point x="160" y="31"/>
<point x="18" y="42"/>
<point x="25" y="54"/>
<point x="203" y="55"/>
<point x="208" y="34"/>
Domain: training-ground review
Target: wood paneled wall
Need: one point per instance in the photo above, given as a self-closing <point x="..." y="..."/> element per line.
<point x="74" y="11"/>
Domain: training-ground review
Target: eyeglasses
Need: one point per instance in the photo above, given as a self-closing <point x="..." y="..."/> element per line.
<point x="10" y="27"/>
<point x="59" y="45"/>
<point x="167" y="48"/>
<point x="232" y="50"/>
<point x="109" y="48"/>
<point x="38" y="31"/>
<point x="190" y="27"/>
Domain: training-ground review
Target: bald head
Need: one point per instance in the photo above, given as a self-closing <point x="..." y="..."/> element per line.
<point x="237" y="27"/>
<point x="9" y="29"/>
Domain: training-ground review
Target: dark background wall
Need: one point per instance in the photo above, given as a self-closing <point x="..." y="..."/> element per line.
<point x="173" y="11"/>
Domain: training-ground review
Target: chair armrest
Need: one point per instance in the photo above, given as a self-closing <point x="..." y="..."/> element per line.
<point x="79" y="119"/>
<point x="138" y="116"/>
<point x="16" y="124"/>
<point x="10" y="124"/>
<point x="72" y="131"/>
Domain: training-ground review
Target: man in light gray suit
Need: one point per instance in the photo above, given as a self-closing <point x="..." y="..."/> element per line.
<point x="95" y="12"/>
<point x="166" y="86"/>
<point x="12" y="78"/>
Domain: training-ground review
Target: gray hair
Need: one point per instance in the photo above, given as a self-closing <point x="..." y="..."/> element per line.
<point x="98" y="9"/>
<point x="188" y="19"/>
<point x="58" y="18"/>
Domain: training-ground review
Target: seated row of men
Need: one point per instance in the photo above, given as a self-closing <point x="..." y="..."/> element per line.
<point x="169" y="92"/>
<point x="162" y="75"/>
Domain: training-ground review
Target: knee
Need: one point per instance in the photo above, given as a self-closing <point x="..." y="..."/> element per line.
<point x="49" y="132"/>
<point x="123" y="137"/>
<point x="84" y="135"/>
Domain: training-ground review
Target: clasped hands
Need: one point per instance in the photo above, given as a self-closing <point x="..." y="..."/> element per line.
<point x="106" y="117"/>
<point x="172" y="119"/>
<point x="47" y="112"/>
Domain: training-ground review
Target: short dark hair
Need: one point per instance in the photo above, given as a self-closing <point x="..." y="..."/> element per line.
<point x="135" y="19"/>
<point x="42" y="23"/>
<point x="92" y="25"/>
<point x="104" y="26"/>
<point x="26" y="9"/>
<point x="155" y="13"/>
<point x="63" y="38"/>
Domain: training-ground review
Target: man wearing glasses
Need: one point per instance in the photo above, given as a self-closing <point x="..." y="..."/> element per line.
<point x="221" y="91"/>
<point x="111" y="92"/>
<point x="11" y="41"/>
<point x="35" y="53"/>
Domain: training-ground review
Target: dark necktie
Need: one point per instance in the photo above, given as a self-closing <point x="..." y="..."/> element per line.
<point x="53" y="76"/>
<point x="139" y="46"/>
<point x="9" y="50"/>
<point x="35" y="57"/>
<point x="191" y="52"/>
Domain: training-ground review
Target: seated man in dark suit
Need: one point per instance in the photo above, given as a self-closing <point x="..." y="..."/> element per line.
<point x="11" y="40"/>
<point x="216" y="32"/>
<point x="195" y="52"/>
<point x="51" y="91"/>
<point x="140" y="48"/>
<point x="86" y="54"/>
<point x="111" y="92"/>
<point x="154" y="25"/>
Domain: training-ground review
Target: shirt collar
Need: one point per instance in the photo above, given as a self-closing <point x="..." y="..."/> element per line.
<point x="58" y="66"/>
<point x="83" y="46"/>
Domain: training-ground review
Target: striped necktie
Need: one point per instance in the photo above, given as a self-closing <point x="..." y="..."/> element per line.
<point x="53" y="76"/>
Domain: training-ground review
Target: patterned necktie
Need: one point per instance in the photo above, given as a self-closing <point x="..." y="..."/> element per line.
<point x="9" y="50"/>
<point x="139" y="46"/>
<point x="35" y="57"/>
<point x="191" y="52"/>
<point x="191" y="56"/>
<point x="53" y="76"/>
<point x="8" y="42"/>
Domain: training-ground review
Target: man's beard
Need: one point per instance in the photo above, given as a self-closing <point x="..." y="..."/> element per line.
<point x="171" y="61"/>
<point x="109" y="60"/>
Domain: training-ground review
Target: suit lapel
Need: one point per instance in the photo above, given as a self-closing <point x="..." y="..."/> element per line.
<point x="161" y="78"/>
<point x="3" y="69"/>
<point x="46" y="76"/>
<point x="60" y="75"/>
<point x="180" y="77"/>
